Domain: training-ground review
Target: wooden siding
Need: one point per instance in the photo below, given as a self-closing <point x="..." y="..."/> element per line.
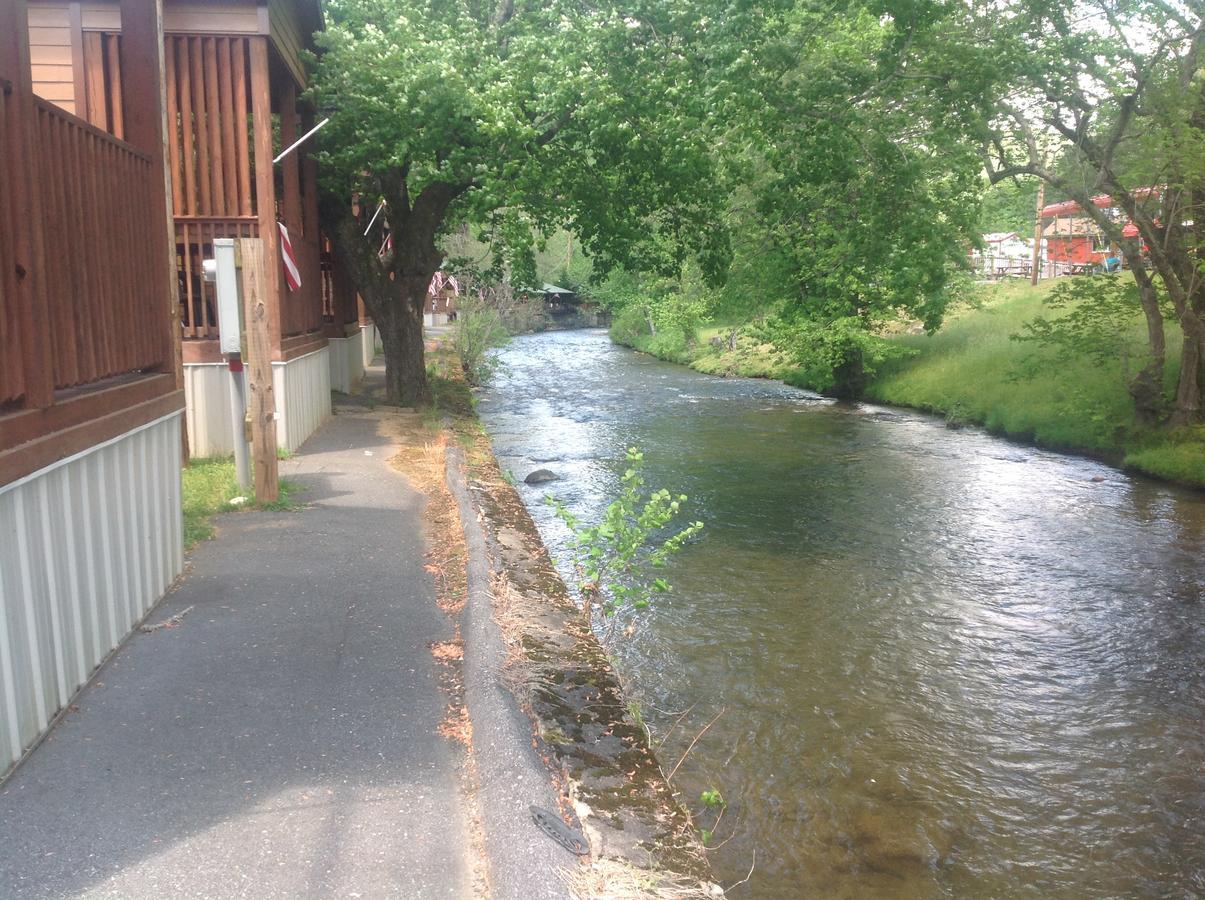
<point x="231" y="17"/>
<point x="50" y="54"/>
<point x="288" y="36"/>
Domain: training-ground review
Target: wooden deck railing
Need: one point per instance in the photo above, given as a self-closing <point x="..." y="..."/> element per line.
<point x="339" y="305"/>
<point x="194" y="242"/>
<point x="101" y="300"/>
<point x="105" y="300"/>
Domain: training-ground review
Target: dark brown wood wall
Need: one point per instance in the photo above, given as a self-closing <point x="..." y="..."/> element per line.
<point x="85" y="294"/>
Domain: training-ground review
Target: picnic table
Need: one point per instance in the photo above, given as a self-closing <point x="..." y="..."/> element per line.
<point x="1022" y="269"/>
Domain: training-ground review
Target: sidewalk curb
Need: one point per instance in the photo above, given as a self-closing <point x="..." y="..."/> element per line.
<point x="524" y="863"/>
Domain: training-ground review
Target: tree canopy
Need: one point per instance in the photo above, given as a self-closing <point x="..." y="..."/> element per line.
<point x="829" y="155"/>
<point x="519" y="118"/>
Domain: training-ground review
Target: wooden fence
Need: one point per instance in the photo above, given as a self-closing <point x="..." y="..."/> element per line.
<point x="101" y="301"/>
<point x="12" y="359"/>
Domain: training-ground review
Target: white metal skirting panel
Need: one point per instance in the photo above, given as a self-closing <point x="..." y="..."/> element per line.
<point x="303" y="401"/>
<point x="371" y="341"/>
<point x="336" y="358"/>
<point x="347" y="362"/>
<point x="303" y="397"/>
<point x="207" y="403"/>
<point x="87" y="546"/>
<point x="355" y="360"/>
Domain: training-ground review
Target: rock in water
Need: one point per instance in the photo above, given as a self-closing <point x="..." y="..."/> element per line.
<point x="539" y="476"/>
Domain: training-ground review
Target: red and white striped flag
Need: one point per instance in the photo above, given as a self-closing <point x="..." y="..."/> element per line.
<point x="292" y="273"/>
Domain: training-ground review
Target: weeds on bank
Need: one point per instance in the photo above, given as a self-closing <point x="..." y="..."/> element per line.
<point x="210" y="486"/>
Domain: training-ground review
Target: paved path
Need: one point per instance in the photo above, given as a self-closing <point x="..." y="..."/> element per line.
<point x="280" y="742"/>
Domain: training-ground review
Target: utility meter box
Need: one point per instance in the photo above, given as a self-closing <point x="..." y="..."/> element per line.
<point x="222" y="272"/>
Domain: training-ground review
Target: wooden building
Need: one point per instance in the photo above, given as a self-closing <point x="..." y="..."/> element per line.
<point x="1074" y="242"/>
<point x="232" y="75"/>
<point x="91" y="398"/>
<point x="443" y="295"/>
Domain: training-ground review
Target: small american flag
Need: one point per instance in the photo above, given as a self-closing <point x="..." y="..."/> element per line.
<point x="292" y="273"/>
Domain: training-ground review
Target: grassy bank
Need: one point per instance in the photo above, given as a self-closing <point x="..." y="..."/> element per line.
<point x="971" y="372"/>
<point x="209" y="487"/>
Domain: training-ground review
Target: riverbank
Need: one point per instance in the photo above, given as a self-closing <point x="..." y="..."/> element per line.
<point x="642" y="842"/>
<point x="970" y="372"/>
<point x="903" y="654"/>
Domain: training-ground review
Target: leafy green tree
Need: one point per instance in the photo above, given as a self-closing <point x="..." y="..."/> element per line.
<point x="520" y="117"/>
<point x="1119" y="86"/>
<point x="864" y="172"/>
<point x="1009" y="205"/>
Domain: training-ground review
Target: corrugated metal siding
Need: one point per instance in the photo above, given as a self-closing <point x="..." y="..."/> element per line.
<point x="303" y="397"/>
<point x="337" y="357"/>
<point x="207" y="403"/>
<point x="87" y="546"/>
<point x="369" y="335"/>
<point x="347" y="362"/>
<point x="303" y="402"/>
<point x="355" y="360"/>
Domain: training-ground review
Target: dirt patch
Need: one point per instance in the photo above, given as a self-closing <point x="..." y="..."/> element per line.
<point x="420" y="458"/>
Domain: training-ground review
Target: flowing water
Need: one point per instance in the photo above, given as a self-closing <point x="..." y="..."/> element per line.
<point x="944" y="664"/>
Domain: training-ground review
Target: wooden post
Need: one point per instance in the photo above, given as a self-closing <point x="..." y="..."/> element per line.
<point x="27" y="245"/>
<point x="290" y="169"/>
<point x="1037" y="232"/>
<point x="265" y="187"/>
<point x="261" y="405"/>
<point x="144" y="106"/>
<point x="75" y="17"/>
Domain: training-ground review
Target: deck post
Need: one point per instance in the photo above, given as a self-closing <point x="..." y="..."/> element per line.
<point x="144" y="109"/>
<point x="265" y="191"/>
<point x="26" y="281"/>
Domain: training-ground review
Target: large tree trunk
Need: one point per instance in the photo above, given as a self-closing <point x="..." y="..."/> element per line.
<point x="1187" y="409"/>
<point x="1146" y="388"/>
<point x="394" y="283"/>
<point x="400" y="324"/>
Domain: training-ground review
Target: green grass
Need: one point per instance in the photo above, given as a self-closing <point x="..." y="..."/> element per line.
<point x="971" y="372"/>
<point x="209" y="485"/>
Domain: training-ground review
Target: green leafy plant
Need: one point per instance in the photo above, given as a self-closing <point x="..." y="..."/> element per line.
<point x="477" y="330"/>
<point x="714" y="807"/>
<point x="617" y="559"/>
<point x="712" y="799"/>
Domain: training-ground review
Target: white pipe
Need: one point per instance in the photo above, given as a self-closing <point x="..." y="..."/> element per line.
<point x="380" y="206"/>
<point x="301" y="140"/>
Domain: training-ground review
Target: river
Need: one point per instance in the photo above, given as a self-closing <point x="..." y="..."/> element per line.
<point x="944" y="664"/>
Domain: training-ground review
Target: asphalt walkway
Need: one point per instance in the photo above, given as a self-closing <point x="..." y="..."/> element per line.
<point x="281" y="740"/>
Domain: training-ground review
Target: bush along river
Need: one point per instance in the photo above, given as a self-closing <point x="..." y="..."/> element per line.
<point x="947" y="665"/>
